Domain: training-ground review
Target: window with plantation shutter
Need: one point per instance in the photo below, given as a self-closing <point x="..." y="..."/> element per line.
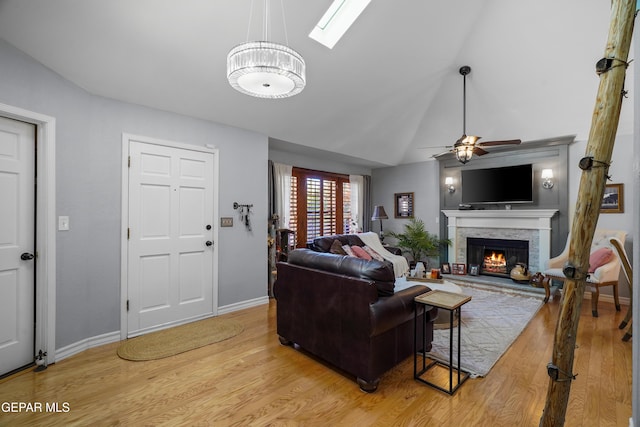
<point x="320" y="204"/>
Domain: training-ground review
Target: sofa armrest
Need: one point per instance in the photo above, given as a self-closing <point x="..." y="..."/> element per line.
<point x="388" y="312"/>
<point x="393" y="249"/>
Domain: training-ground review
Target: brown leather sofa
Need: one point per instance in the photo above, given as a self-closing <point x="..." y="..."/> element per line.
<point x="323" y="244"/>
<point x="344" y="310"/>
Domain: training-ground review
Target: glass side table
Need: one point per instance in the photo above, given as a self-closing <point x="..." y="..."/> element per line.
<point x="451" y="302"/>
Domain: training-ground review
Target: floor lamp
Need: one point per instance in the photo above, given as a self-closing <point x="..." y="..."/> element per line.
<point x="379" y="214"/>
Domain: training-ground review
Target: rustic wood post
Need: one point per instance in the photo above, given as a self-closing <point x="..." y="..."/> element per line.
<point x="595" y="167"/>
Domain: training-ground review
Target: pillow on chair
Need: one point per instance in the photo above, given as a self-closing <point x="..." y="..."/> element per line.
<point x="599" y="257"/>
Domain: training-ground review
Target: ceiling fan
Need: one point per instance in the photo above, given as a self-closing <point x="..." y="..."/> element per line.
<point x="467" y="145"/>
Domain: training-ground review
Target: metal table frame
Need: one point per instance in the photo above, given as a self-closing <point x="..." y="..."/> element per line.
<point x="462" y="376"/>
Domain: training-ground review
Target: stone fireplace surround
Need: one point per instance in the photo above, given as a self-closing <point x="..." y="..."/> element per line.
<point x="532" y="225"/>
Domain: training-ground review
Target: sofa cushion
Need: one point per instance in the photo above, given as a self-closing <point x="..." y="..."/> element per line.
<point x="599" y="257"/>
<point x="361" y="253"/>
<point x="374" y="254"/>
<point x="379" y="272"/>
<point x="336" y="248"/>
<point x="323" y="244"/>
<point x="348" y="251"/>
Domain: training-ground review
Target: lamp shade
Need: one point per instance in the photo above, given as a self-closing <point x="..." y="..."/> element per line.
<point x="379" y="213"/>
<point x="266" y="70"/>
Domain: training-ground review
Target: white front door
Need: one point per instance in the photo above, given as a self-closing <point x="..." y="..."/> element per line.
<point x="171" y="249"/>
<point x="17" y="243"/>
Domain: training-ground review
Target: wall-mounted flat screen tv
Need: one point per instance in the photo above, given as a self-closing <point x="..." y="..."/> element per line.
<point x="503" y="185"/>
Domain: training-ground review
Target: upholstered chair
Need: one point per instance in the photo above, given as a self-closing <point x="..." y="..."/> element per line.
<point x="605" y="272"/>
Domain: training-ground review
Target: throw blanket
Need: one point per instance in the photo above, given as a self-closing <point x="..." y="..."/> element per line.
<point x="400" y="264"/>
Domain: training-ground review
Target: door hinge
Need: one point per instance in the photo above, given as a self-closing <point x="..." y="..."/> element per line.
<point x="129" y="162"/>
<point x="128" y="233"/>
<point x="127" y="305"/>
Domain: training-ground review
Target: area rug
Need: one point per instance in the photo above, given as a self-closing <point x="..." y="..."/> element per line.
<point x="491" y="322"/>
<point x="172" y="341"/>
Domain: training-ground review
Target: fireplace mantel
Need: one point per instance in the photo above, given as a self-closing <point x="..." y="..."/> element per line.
<point x="481" y="221"/>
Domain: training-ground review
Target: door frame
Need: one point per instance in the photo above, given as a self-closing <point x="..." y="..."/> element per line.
<point x="45" y="261"/>
<point x="124" y="241"/>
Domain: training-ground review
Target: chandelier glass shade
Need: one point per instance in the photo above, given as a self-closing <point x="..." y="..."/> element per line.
<point x="266" y="70"/>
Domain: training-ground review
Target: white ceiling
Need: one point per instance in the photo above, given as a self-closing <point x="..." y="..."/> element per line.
<point x="390" y="86"/>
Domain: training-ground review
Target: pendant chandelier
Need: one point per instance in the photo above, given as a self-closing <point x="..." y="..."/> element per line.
<point x="266" y="69"/>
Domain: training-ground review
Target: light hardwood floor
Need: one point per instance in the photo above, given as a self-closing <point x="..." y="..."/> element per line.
<point x="252" y="380"/>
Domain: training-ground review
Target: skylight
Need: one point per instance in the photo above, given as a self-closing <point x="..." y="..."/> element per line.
<point x="337" y="20"/>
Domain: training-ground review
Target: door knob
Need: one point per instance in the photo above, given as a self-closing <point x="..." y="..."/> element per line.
<point x="26" y="256"/>
<point x="209" y="243"/>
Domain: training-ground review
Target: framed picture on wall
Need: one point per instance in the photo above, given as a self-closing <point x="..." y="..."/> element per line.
<point x="404" y="205"/>
<point x="613" y="199"/>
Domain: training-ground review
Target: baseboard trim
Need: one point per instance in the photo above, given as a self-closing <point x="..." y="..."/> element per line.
<point x="242" y="305"/>
<point x="604" y="297"/>
<point x="111" y="337"/>
<point x="86" y="344"/>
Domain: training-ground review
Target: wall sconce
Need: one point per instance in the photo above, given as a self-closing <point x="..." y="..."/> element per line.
<point x="547" y="178"/>
<point x="448" y="181"/>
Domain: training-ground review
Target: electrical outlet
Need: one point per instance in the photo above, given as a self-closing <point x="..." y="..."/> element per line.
<point x="226" y="221"/>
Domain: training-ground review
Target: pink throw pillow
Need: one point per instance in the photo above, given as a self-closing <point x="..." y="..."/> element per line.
<point x="375" y="255"/>
<point x="360" y="253"/>
<point x="348" y="250"/>
<point x="599" y="257"/>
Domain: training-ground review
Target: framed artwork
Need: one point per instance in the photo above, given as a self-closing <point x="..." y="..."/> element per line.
<point x="474" y="269"/>
<point x="613" y="199"/>
<point x="445" y="268"/>
<point x="459" y="269"/>
<point x="404" y="205"/>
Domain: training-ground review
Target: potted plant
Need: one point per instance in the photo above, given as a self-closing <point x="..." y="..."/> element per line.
<point x="418" y="242"/>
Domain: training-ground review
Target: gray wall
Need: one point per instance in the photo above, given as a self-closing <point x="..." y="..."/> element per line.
<point x="88" y="189"/>
<point x="418" y="178"/>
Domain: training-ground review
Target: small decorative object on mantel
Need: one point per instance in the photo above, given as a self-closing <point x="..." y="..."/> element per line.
<point x="474" y="269"/>
<point x="459" y="269"/>
<point x="445" y="268"/>
<point x="520" y="273"/>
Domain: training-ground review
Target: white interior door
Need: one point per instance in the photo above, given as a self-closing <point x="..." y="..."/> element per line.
<point x="171" y="250"/>
<point x="17" y="242"/>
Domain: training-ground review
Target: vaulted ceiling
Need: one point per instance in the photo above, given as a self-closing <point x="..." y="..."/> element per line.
<point x="388" y="88"/>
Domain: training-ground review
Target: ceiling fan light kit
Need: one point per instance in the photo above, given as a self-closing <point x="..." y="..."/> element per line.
<point x="265" y="69"/>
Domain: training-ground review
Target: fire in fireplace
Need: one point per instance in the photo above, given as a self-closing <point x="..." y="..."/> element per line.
<point x="496" y="257"/>
<point x="494" y="262"/>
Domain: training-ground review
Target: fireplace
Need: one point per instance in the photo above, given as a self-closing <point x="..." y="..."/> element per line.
<point x="496" y="257"/>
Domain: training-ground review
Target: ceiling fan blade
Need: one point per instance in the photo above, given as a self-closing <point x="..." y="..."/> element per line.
<point x="479" y="151"/>
<point x="494" y="143"/>
<point x="434" y="147"/>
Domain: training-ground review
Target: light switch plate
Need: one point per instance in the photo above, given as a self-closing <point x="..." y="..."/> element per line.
<point x="63" y="223"/>
<point x="226" y="221"/>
